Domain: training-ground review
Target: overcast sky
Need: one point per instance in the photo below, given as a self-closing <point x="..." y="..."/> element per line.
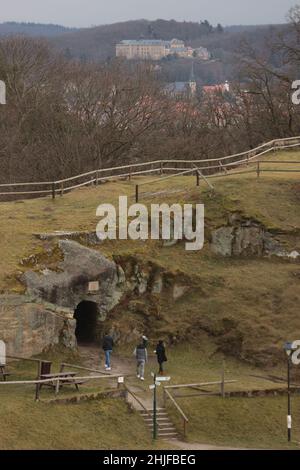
<point x="95" y="12"/>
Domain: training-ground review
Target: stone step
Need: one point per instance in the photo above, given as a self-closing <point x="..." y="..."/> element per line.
<point x="163" y="425"/>
<point x="147" y="418"/>
<point x="160" y="430"/>
<point x="165" y="429"/>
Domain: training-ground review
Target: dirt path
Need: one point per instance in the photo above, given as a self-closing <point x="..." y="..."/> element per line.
<point x="92" y="357"/>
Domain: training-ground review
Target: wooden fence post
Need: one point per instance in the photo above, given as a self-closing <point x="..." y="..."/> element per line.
<point x="57" y="386"/>
<point x="258" y="170"/>
<point x="184" y="428"/>
<point x="161" y="168"/>
<point x="53" y="190"/>
<point x="223" y="381"/>
<point x="197" y="179"/>
<point x="136" y="193"/>
<point x="62" y="189"/>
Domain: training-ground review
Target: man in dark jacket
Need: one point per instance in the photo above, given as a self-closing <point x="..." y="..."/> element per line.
<point x="107" y="345"/>
<point x="161" y="355"/>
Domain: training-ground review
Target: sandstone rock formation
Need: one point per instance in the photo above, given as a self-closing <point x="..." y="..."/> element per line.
<point x="29" y="327"/>
<point x="247" y="237"/>
<point x="70" y="284"/>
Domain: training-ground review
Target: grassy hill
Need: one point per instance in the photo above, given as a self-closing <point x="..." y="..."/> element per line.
<point x="238" y="309"/>
<point x="250" y="300"/>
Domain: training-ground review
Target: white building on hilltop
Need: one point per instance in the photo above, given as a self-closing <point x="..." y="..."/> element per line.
<point x="157" y="49"/>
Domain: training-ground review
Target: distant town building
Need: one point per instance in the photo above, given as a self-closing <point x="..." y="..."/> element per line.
<point x="180" y="89"/>
<point x="217" y="89"/>
<point x="157" y="49"/>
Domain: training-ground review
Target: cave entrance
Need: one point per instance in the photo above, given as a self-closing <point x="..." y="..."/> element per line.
<point x="86" y="316"/>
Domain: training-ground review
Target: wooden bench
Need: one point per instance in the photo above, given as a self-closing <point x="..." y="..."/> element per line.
<point x="3" y="374"/>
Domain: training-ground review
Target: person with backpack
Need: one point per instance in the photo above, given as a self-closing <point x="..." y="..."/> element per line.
<point x="107" y="346"/>
<point x="161" y="355"/>
<point x="141" y="356"/>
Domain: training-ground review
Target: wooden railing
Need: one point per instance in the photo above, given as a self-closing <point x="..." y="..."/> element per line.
<point x="130" y="392"/>
<point x="182" y="414"/>
<point x="211" y="167"/>
<point x="74" y="366"/>
<point x="56" y="381"/>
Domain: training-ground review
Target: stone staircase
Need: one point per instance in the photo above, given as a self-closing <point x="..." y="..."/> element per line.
<point x="166" y="429"/>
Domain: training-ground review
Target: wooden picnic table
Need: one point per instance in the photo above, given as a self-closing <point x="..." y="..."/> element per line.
<point x="61" y="375"/>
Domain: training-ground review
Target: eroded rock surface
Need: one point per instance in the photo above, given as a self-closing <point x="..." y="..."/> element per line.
<point x="70" y="284"/>
<point x="29" y="327"/>
<point x="247" y="237"/>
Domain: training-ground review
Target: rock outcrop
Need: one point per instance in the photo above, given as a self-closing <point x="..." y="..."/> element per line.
<point x="29" y="327"/>
<point x="247" y="237"/>
<point x="44" y="317"/>
<point x="69" y="285"/>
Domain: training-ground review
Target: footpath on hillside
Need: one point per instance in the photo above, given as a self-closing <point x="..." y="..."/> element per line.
<point x="92" y="357"/>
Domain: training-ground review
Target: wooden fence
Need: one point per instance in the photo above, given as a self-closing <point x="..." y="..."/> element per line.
<point x="57" y="381"/>
<point x="209" y="167"/>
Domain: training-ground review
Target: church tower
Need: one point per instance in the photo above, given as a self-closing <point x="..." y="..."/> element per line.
<point x="192" y="82"/>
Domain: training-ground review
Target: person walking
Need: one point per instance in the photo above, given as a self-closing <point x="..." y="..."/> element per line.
<point x="107" y="345"/>
<point x="145" y="341"/>
<point x="141" y="356"/>
<point x="161" y="355"/>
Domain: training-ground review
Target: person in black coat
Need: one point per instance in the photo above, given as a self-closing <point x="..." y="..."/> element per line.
<point x="161" y="355"/>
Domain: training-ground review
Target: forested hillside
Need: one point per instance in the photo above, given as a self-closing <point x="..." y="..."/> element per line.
<point x="32" y="29"/>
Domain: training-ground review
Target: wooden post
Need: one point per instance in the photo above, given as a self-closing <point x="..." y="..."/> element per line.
<point x="120" y="382"/>
<point x="197" y="179"/>
<point x="223" y="381"/>
<point x="97" y="178"/>
<point x="161" y="168"/>
<point x="62" y="367"/>
<point x="184" y="428"/>
<point x="136" y="193"/>
<point x="258" y="169"/>
<point x="62" y="189"/>
<point x="53" y="190"/>
<point x="129" y="177"/>
<point x="57" y="386"/>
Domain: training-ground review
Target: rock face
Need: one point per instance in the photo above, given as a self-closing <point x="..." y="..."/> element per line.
<point x="246" y="237"/>
<point x="238" y="241"/>
<point x="70" y="285"/>
<point x="28" y="327"/>
<point x="44" y="317"/>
